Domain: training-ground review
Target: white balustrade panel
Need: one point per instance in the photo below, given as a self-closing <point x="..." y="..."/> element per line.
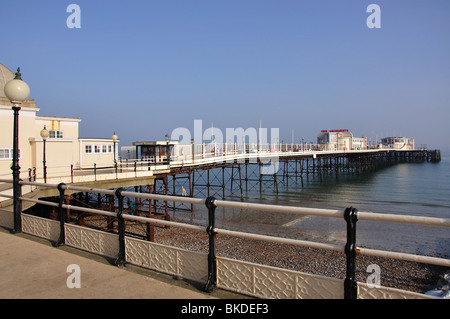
<point x="92" y="240"/>
<point x="275" y="283"/>
<point x="40" y="227"/>
<point x="370" y="292"/>
<point x="171" y="260"/>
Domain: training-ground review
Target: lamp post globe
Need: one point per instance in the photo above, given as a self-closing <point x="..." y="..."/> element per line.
<point x="16" y="91"/>
<point x="44" y="133"/>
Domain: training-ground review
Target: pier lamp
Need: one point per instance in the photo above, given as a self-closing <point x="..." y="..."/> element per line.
<point x="114" y="138"/>
<point x="167" y="149"/>
<point x="192" y="150"/>
<point x="16" y="91"/>
<point x="44" y="135"/>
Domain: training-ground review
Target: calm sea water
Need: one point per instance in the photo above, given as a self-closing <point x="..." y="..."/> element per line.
<point x="420" y="189"/>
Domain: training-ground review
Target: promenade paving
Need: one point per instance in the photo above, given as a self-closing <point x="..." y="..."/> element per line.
<point x="31" y="268"/>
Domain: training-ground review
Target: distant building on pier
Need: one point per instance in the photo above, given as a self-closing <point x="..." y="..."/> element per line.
<point x="154" y="151"/>
<point x="399" y="143"/>
<point x="340" y="140"/>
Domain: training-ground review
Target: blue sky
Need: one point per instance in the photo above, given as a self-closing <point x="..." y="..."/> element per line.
<point x="144" y="68"/>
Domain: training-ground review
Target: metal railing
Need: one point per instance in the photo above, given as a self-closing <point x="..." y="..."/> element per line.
<point x="115" y="169"/>
<point x="350" y="215"/>
<point x="191" y="154"/>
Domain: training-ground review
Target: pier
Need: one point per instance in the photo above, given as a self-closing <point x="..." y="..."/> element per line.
<point x="214" y="170"/>
<point x="210" y="172"/>
<point x="222" y="171"/>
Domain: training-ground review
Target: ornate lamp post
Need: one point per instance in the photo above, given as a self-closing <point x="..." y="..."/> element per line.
<point x="167" y="149"/>
<point x="192" y="150"/>
<point x="114" y="138"/>
<point x="16" y="91"/>
<point x="44" y="135"/>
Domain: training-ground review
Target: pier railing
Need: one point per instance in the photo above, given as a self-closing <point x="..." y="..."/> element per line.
<point x="189" y="155"/>
<point x="209" y="269"/>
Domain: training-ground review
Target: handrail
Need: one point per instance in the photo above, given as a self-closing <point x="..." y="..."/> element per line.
<point x="407" y="219"/>
<point x="410" y="219"/>
<point x="274" y="239"/>
<point x="403" y="256"/>
<point x="282" y="209"/>
<point x="281" y="240"/>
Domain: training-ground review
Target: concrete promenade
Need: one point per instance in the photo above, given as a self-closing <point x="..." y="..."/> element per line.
<point x="31" y="268"/>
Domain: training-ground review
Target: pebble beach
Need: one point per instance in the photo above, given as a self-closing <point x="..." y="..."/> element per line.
<point x="399" y="274"/>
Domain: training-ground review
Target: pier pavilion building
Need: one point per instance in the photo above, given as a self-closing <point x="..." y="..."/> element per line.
<point x="400" y="143"/>
<point x="340" y="140"/>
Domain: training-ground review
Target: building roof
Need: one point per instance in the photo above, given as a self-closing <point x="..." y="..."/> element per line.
<point x="58" y="118"/>
<point x="154" y="143"/>
<point x="6" y="75"/>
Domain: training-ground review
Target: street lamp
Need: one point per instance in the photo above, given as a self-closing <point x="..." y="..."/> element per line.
<point x="192" y="150"/>
<point x="16" y="91"/>
<point x="167" y="149"/>
<point x="44" y="135"/>
<point x="114" y="138"/>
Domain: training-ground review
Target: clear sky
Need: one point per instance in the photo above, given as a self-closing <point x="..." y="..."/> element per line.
<point x="144" y="68"/>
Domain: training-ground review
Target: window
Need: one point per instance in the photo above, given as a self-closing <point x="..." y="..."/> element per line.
<point x="56" y="134"/>
<point x="100" y="148"/>
<point x="7" y="153"/>
<point x="4" y="153"/>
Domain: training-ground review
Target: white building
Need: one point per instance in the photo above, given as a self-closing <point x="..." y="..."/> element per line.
<point x="64" y="148"/>
<point x="399" y="143"/>
<point x="359" y="143"/>
<point x="342" y="140"/>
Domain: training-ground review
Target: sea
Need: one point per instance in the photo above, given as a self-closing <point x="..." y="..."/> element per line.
<point x="417" y="189"/>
